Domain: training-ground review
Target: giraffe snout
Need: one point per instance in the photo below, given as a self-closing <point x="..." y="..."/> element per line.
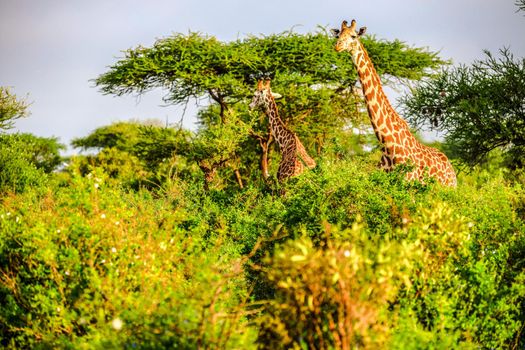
<point x="339" y="47"/>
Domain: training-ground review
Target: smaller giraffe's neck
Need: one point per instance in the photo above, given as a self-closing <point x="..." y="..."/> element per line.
<point x="387" y="124"/>
<point x="281" y="133"/>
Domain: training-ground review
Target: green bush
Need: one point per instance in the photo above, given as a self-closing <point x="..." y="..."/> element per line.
<point x="17" y="171"/>
<point x="421" y="286"/>
<point x="115" y="269"/>
<point x="336" y="296"/>
<point x="120" y="167"/>
<point x="94" y="263"/>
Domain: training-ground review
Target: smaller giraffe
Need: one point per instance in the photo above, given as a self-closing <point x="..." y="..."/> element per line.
<point x="392" y="131"/>
<point x="293" y="153"/>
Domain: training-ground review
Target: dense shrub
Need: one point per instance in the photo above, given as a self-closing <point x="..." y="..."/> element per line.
<point x="115" y="269"/>
<point x="119" y="166"/>
<point x="25" y="160"/>
<point x="336" y="296"/>
<point x="342" y="256"/>
<point x="17" y="171"/>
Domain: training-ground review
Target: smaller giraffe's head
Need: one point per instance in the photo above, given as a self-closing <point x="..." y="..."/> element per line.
<point x="262" y="94"/>
<point x="348" y="37"/>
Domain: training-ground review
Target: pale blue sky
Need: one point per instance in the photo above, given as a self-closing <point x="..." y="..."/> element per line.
<point x="51" y="49"/>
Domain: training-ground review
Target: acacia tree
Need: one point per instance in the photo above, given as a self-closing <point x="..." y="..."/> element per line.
<point x="480" y="107"/>
<point x="315" y="82"/>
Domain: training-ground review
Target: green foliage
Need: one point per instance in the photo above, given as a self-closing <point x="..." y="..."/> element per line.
<point x="18" y="174"/>
<point x="11" y="108"/>
<point x="149" y="141"/>
<point x="348" y="255"/>
<point x="334" y="297"/>
<point x="195" y="65"/>
<point x="120" y="135"/>
<point x="25" y="159"/>
<point x="115" y="270"/>
<point x="455" y="294"/>
<point x="480" y="107"/>
<point x="120" y="167"/>
<point x="43" y="152"/>
<point x="460" y="288"/>
<point x="135" y="153"/>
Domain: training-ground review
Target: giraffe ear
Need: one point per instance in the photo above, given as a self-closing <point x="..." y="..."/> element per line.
<point x="362" y="31"/>
<point x="276" y="95"/>
<point x="335" y="32"/>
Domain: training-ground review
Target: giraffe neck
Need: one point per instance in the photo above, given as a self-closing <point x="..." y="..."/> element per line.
<point x="280" y="131"/>
<point x="388" y="126"/>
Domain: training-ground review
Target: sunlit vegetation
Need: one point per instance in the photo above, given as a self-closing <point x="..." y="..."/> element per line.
<point x="159" y="237"/>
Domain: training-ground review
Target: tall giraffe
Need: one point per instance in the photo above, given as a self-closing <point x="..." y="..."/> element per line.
<point x="392" y="131"/>
<point x="292" y="150"/>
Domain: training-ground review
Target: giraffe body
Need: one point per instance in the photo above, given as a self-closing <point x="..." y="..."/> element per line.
<point x="392" y="131"/>
<point x="293" y="154"/>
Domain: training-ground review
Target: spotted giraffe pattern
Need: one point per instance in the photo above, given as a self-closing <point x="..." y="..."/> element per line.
<point x="392" y="131"/>
<point x="293" y="154"/>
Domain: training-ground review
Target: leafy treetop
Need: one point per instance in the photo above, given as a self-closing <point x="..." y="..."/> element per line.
<point x="196" y="65"/>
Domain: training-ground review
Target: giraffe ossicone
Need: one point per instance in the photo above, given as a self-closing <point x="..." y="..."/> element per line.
<point x="293" y="154"/>
<point x="392" y="131"/>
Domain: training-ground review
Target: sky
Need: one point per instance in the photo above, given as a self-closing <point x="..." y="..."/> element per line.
<point x="51" y="50"/>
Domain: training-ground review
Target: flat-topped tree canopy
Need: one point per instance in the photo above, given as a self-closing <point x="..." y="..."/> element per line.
<point x="194" y="65"/>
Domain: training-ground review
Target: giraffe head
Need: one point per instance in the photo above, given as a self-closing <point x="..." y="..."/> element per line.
<point x="348" y="37"/>
<point x="263" y="94"/>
